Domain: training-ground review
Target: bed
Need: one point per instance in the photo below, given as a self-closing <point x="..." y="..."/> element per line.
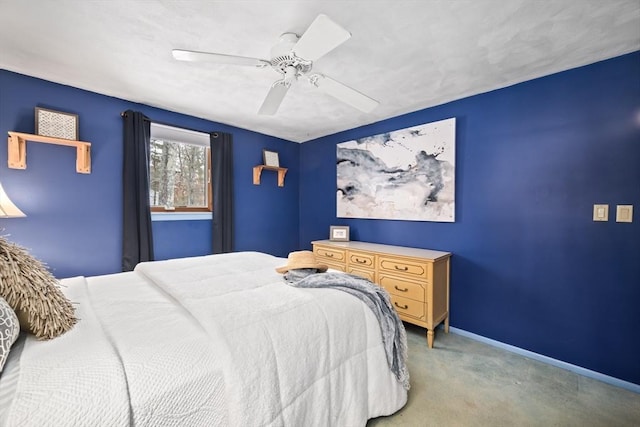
<point x="217" y="340"/>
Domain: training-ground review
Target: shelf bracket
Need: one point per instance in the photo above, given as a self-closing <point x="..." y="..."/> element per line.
<point x="17" y="146"/>
<point x="257" y="172"/>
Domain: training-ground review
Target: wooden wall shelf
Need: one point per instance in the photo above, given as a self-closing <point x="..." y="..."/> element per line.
<point x="17" y="144"/>
<point x="257" y="172"/>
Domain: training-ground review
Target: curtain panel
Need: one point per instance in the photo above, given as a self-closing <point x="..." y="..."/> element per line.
<point x="137" y="239"/>
<point x="222" y="188"/>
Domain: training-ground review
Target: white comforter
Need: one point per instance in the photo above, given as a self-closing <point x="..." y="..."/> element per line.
<point x="206" y="341"/>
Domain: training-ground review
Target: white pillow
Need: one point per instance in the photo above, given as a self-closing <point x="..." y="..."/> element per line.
<point x="9" y="330"/>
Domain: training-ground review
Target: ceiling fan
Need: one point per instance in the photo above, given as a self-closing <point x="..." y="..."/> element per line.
<point x="293" y="57"/>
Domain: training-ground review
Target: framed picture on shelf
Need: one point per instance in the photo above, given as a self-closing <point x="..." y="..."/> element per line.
<point x="270" y="158"/>
<point x="56" y="124"/>
<point x="339" y="233"/>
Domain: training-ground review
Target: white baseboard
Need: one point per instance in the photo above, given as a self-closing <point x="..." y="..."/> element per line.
<point x="545" y="359"/>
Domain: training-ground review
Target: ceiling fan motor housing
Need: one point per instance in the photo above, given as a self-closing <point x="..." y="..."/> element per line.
<point x="283" y="58"/>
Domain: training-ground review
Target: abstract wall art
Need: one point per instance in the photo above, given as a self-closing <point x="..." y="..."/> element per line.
<point x="407" y="174"/>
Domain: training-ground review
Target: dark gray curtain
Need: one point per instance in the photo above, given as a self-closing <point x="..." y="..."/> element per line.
<point x="137" y="241"/>
<point x="222" y="183"/>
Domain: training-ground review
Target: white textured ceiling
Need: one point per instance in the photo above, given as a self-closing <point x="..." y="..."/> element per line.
<point x="408" y="55"/>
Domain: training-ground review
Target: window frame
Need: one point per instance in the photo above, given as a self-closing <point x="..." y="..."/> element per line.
<point x="179" y="135"/>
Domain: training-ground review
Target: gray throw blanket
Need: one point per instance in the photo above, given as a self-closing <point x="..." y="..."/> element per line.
<point x="394" y="337"/>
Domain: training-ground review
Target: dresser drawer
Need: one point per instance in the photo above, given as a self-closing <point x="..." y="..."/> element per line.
<point x="324" y="254"/>
<point x="361" y="259"/>
<point x="402" y="266"/>
<point x="403" y="288"/>
<point x="362" y="272"/>
<point x="408" y="307"/>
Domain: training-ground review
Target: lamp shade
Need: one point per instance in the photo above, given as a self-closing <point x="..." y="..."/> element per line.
<point x="7" y="208"/>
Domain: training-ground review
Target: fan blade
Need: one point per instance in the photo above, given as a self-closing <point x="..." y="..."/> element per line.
<point x="322" y="36"/>
<point x="274" y="98"/>
<point x="344" y="93"/>
<point x="217" y="58"/>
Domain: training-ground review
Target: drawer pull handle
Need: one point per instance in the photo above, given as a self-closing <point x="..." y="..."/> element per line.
<point x="327" y="254"/>
<point x="404" y="307"/>
<point x="361" y="261"/>
<point x="401" y="290"/>
<point x="405" y="268"/>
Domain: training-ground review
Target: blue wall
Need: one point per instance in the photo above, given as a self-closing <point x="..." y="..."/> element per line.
<point x="74" y="220"/>
<point x="530" y="268"/>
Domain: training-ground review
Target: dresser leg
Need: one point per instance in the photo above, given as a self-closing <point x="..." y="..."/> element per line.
<point x="446" y="324"/>
<point x="430" y="337"/>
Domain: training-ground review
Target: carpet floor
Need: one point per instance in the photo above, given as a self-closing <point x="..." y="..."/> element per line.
<point x="462" y="382"/>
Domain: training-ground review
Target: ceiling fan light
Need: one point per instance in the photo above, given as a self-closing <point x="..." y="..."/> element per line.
<point x="290" y="75"/>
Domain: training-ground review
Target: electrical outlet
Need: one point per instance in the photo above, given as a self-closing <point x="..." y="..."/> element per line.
<point x="601" y="212"/>
<point x="624" y="213"/>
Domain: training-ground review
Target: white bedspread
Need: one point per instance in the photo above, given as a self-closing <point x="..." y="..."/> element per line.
<point x="206" y="341"/>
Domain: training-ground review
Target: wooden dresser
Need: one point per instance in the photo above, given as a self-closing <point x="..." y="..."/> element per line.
<point x="416" y="279"/>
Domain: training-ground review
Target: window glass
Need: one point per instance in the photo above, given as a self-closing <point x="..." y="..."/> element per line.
<point x="179" y="171"/>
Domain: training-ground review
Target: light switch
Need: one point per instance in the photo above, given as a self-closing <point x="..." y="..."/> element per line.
<point x="624" y="213"/>
<point x="601" y="212"/>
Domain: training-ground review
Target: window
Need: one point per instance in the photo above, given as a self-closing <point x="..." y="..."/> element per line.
<point x="179" y="170"/>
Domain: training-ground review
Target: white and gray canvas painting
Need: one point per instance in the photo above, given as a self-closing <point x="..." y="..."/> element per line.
<point x="408" y="174"/>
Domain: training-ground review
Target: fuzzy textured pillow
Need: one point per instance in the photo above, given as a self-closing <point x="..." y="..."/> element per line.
<point x="9" y="330"/>
<point x="33" y="292"/>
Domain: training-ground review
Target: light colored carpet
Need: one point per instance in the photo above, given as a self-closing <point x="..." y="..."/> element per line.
<point x="462" y="382"/>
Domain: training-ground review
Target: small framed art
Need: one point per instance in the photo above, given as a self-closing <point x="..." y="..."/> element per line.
<point x="271" y="158"/>
<point x="339" y="233"/>
<point x="56" y="124"/>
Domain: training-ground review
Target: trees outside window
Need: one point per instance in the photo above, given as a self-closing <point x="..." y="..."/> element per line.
<point x="179" y="175"/>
